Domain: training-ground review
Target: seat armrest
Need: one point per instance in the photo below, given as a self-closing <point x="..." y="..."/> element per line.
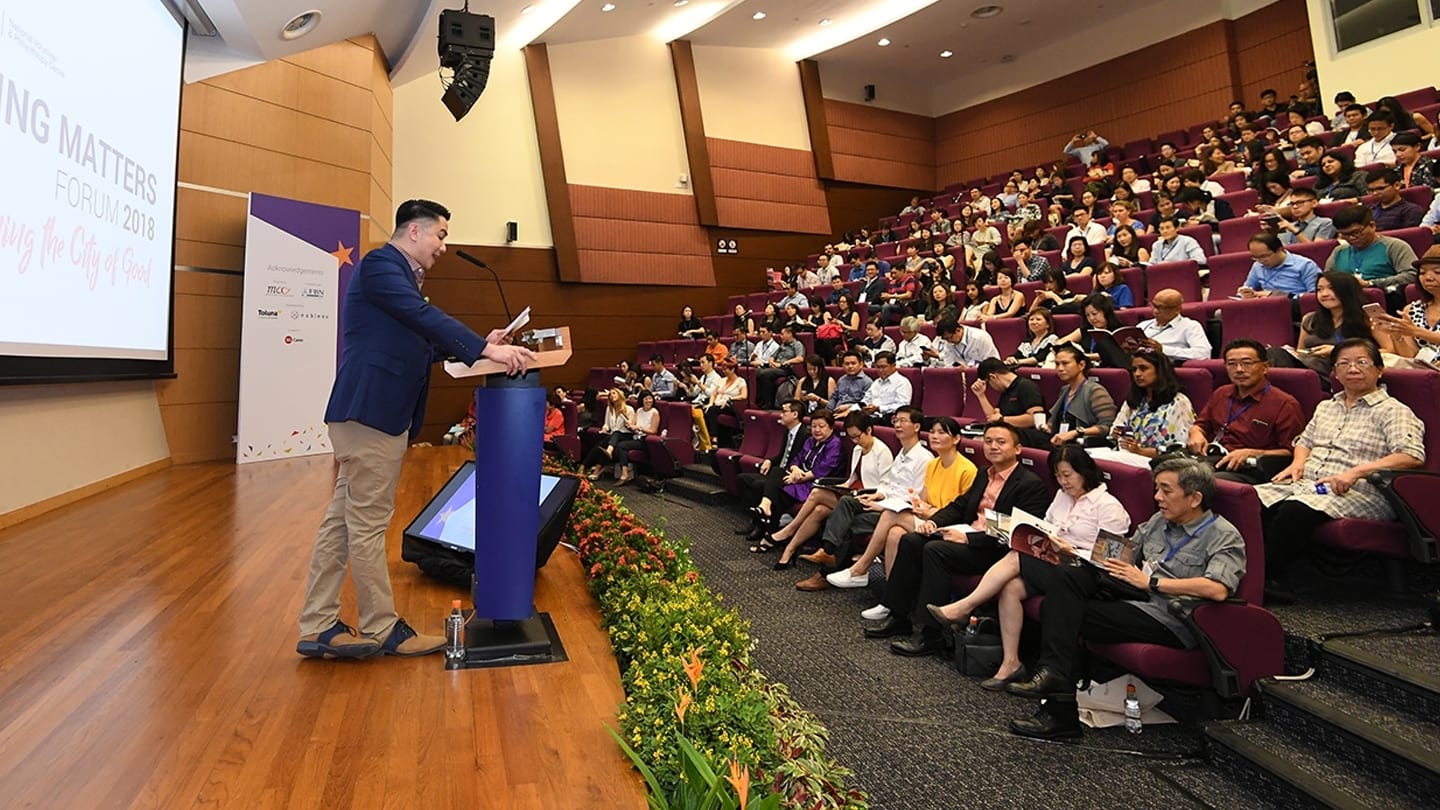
<point x="1415" y="497"/>
<point x="1242" y="643"/>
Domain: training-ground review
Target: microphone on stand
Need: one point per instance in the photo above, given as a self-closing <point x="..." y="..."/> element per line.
<point x="483" y="266"/>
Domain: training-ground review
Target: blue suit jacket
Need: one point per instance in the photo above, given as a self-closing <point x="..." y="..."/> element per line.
<point x="392" y="338"/>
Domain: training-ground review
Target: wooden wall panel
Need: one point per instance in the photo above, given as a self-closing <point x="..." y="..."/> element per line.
<point x="881" y="147"/>
<point x="639" y="237"/>
<point x="1272" y="46"/>
<point x="315" y="126"/>
<point x="606" y="320"/>
<point x="765" y="187"/>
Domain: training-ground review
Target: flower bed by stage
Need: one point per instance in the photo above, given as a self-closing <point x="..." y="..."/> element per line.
<point x="695" y="707"/>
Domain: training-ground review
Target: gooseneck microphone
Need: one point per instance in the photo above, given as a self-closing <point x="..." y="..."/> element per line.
<point x="483" y="266"/>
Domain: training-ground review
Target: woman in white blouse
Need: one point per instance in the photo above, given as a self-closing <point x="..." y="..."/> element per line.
<point x="1080" y="511"/>
<point x="868" y="463"/>
<point x="615" y="429"/>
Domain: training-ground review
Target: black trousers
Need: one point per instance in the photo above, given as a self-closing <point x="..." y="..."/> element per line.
<point x="597" y="457"/>
<point x="754" y="486"/>
<point x="848" y="519"/>
<point x="921" y="575"/>
<point x="1071" y="610"/>
<point x="766" y="381"/>
<point x="1288" y="526"/>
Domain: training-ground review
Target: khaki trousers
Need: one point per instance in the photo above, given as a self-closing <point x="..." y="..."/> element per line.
<point x="353" y="532"/>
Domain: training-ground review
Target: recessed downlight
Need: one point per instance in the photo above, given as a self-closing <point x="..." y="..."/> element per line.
<point x="759" y="15"/>
<point x="946" y="54"/>
<point x="301" y="24"/>
<point x="986" y="12"/>
<point x="883" y="42"/>
<point x="608" y="7"/>
<point x="825" y="21"/>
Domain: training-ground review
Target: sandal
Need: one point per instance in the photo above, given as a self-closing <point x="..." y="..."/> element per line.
<point x="766" y="545"/>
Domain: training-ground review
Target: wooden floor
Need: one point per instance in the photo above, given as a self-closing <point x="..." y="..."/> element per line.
<point x="147" y="659"/>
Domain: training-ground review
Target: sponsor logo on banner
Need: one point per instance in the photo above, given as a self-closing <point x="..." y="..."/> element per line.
<point x="277" y="291"/>
<point x="268" y="314"/>
<point x="292" y="339"/>
<point x="312" y="292"/>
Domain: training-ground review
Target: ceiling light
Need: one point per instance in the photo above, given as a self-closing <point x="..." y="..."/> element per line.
<point x="986" y="12"/>
<point x="883" y="42"/>
<point x="679" y="3"/>
<point x="759" y="15"/>
<point x="825" y="21"/>
<point x="608" y="7"/>
<point x="946" y="54"/>
<point x="301" y="24"/>
<point x="856" y="24"/>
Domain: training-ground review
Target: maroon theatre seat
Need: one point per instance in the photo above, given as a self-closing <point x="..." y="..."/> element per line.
<point x="1264" y="319"/>
<point x="1183" y="276"/>
<point x="1228" y="271"/>
<point x="943" y="393"/>
<point x="756" y="445"/>
<point x="672" y="448"/>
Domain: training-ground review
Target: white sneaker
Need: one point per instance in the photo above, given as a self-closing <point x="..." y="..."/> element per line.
<point x="877" y="613"/>
<point x="843" y="579"/>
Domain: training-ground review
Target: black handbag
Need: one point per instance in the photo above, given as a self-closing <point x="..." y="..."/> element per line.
<point x="978" y="653"/>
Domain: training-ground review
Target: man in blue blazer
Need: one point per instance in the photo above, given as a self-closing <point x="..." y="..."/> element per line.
<point x="392" y="338"/>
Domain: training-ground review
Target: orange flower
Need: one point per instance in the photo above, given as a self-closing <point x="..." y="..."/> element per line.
<point x="683" y="705"/>
<point x="694" y="667"/>
<point x="739" y="778"/>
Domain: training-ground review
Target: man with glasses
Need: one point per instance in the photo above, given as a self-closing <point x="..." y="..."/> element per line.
<point x="1249" y="426"/>
<point x="961" y="345"/>
<point x="1377" y="149"/>
<point x="1375" y="259"/>
<point x="1172" y="334"/>
<point x="859" y="514"/>
<point x="1277" y="271"/>
<point x="1360" y="430"/>
<point x="1392" y="211"/>
<point x="890" y="390"/>
<point x="1297" y="222"/>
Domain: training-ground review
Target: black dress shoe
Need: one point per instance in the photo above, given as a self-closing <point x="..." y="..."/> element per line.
<point x="917" y="645"/>
<point x="891" y="627"/>
<point x="1055" y="720"/>
<point x="1046" y="683"/>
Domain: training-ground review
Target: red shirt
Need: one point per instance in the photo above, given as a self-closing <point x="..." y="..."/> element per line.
<point x="1269" y="419"/>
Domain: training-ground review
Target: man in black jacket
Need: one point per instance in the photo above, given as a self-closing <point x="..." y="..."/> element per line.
<point x="874" y="285"/>
<point x="752" y="485"/>
<point x="928" y="557"/>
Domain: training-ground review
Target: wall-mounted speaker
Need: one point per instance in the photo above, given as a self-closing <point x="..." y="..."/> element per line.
<point x="512" y="231"/>
<point x="869" y="92"/>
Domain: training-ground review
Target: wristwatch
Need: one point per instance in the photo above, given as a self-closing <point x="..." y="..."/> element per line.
<point x="1155" y="583"/>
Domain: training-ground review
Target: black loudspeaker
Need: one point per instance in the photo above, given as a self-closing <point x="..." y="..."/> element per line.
<point x="869" y="92"/>
<point x="512" y="231"/>
<point x="467" y="44"/>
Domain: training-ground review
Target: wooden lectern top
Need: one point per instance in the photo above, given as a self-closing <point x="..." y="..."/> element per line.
<point x="558" y="339"/>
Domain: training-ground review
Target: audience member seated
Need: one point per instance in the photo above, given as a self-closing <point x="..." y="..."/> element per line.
<point x="742" y="351"/>
<point x="870" y="460"/>
<point x="661" y="381"/>
<point x="975" y="303"/>
<point x="911" y="351"/>
<point x="1415" y="169"/>
<point x="1392" y="211"/>
<point x="1084" y="409"/>
<point x="1298" y="223"/>
<point x="1186" y="551"/>
<point x="614" y="430"/>
<point x="1179" y="337"/>
<point x="815" y="386"/>
<point x="1055" y="296"/>
<point x="1377" y="148"/>
<point x="957" y="344"/>
<point x="875" y="341"/>
<point x="799" y="320"/>
<point x="849" y="391"/>
<point x="793" y="296"/>
<point x="1173" y="246"/>
<point x="1029" y="265"/>
<point x="889" y="391"/>
<point x="940" y="306"/>
<point x="1362" y="429"/>
<point x="784" y="363"/>
<point x="716" y="350"/>
<point x="953" y="542"/>
<point x="770" y="477"/>
<point x="702" y="390"/>
<point x="1355" y="129"/>
<point x="1020" y="400"/>
<point x="1086" y="228"/>
<point x="1341" y="316"/>
<point x="1197" y="207"/>
<point x="1277" y="271"/>
<point x="1418" y="327"/>
<point x="1081" y="509"/>
<point x="770" y="319"/>
<point x="1099" y="313"/>
<point x="1039" y="340"/>
<point x="731" y="390"/>
<point x="947" y="477"/>
<point x="1008" y="301"/>
<point x="1308" y="154"/>
<point x="554" y="423"/>
<point x="1338" y="178"/>
<point x="1126" y="251"/>
<point x="690" y="326"/>
<point x="1110" y="284"/>
<point x="859" y="514"/>
<point x="817" y="458"/>
<point x="1248" y="427"/>
<point x="1376" y="259"/>
<point x="1156" y="414"/>
<point x="900" y="295"/>
<point x="1085" y="146"/>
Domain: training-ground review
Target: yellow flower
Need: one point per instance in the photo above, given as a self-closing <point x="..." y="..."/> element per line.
<point x="740" y="779"/>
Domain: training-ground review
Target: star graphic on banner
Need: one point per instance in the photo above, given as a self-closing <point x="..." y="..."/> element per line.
<point x="445" y="515"/>
<point x="343" y="254"/>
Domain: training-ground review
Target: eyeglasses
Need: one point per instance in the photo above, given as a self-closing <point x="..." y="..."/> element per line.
<point x="1345" y="365"/>
<point x="1242" y="363"/>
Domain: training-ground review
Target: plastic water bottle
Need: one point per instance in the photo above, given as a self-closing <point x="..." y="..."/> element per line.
<point x="455" y="637"/>
<point x="1132" y="710"/>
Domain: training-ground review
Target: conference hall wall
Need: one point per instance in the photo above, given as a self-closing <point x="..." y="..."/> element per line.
<point x="1387" y="66"/>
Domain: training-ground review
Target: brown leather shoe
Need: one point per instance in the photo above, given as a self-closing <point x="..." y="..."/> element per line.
<point x="815" y="583"/>
<point x="820" y="557"/>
